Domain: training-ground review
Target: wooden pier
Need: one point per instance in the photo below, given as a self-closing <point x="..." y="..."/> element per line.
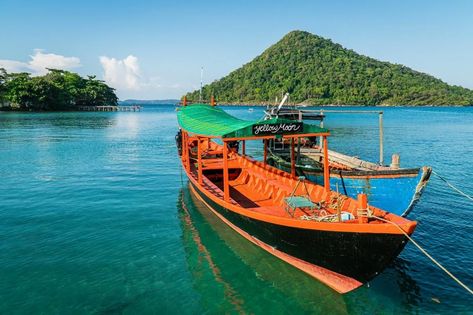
<point x="110" y="108"/>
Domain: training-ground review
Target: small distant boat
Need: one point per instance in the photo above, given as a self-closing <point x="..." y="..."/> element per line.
<point x="338" y="240"/>
<point x="250" y="109"/>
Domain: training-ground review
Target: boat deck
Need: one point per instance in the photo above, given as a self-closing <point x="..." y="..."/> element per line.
<point x="252" y="190"/>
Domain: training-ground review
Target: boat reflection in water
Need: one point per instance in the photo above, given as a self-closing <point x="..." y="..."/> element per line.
<point x="234" y="275"/>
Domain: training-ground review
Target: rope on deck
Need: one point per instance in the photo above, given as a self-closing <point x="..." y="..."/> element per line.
<point x="427" y="254"/>
<point x="453" y="187"/>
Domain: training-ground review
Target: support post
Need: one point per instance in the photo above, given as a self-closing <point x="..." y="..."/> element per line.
<point x="298" y="159"/>
<point x="293" y="159"/>
<point x="362" y="205"/>
<point x="226" y="189"/>
<point x="381" y="133"/>
<point x="299" y="141"/>
<point x="212" y="101"/>
<point x="326" y="165"/>
<point x="339" y="211"/>
<point x="395" y="161"/>
<point x="243" y="147"/>
<point x="183" y="147"/>
<point x="199" y="161"/>
<point x="265" y="154"/>
<point x="186" y="150"/>
<point x="188" y="154"/>
<point x="321" y="125"/>
<point x="184" y="101"/>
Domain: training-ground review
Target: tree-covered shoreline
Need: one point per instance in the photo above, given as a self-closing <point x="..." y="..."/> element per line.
<point x="57" y="90"/>
<point x="316" y="71"/>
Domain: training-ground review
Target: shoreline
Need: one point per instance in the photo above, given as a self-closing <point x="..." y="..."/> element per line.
<point x="334" y="105"/>
<point x="298" y="106"/>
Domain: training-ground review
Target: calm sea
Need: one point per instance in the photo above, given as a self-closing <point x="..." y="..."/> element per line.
<point x="96" y="217"/>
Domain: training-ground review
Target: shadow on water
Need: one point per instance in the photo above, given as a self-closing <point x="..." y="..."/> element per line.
<point x="121" y="306"/>
<point x="393" y="291"/>
<point x="234" y="275"/>
<point x="407" y="285"/>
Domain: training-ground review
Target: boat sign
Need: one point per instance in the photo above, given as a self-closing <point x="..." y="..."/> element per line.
<point x="277" y="129"/>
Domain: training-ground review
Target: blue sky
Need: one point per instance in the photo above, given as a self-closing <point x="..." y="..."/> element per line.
<point x="155" y="49"/>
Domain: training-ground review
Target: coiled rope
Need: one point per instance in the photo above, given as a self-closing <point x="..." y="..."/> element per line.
<point x="453" y="187"/>
<point x="426" y="254"/>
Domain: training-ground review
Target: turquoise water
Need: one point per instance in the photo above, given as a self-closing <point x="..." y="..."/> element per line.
<point x="96" y="217"/>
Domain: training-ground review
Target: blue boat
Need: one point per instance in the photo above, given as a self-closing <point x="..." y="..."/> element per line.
<point x="388" y="187"/>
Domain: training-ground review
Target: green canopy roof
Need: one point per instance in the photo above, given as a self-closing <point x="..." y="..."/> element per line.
<point x="211" y="121"/>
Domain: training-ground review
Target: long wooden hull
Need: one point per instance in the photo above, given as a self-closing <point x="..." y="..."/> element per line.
<point x="341" y="255"/>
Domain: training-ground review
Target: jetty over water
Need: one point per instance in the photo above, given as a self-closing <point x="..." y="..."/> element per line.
<point x="110" y="108"/>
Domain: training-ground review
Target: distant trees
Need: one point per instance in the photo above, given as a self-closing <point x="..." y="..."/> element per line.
<point x="56" y="90"/>
<point x="3" y="88"/>
<point x="314" y="70"/>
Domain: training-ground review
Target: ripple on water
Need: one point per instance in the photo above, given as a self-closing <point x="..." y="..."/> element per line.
<point x="91" y="221"/>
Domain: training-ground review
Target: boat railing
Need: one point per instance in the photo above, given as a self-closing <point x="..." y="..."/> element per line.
<point x="185" y="101"/>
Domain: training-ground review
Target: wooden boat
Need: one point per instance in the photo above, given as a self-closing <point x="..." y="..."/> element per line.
<point x="388" y="187"/>
<point x="341" y="241"/>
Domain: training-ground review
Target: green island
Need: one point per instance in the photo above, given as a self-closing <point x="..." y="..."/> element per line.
<point x="316" y="71"/>
<point x="54" y="91"/>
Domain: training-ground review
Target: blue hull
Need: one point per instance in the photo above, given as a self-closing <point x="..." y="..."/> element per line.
<point x="394" y="190"/>
<point x="394" y="193"/>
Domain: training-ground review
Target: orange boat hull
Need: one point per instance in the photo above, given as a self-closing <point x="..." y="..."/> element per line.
<point x="343" y="255"/>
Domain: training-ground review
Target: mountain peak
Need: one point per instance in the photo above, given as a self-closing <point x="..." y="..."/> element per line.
<point x="298" y="33"/>
<point x="317" y="71"/>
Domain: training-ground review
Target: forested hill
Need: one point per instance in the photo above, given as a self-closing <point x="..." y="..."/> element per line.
<point x="314" y="70"/>
<point x="56" y="90"/>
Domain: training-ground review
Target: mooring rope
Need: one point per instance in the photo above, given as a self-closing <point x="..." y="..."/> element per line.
<point x="427" y="254"/>
<point x="453" y="187"/>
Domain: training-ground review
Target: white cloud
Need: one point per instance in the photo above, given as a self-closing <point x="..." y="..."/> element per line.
<point x="126" y="77"/>
<point x="39" y="62"/>
<point x="122" y="74"/>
